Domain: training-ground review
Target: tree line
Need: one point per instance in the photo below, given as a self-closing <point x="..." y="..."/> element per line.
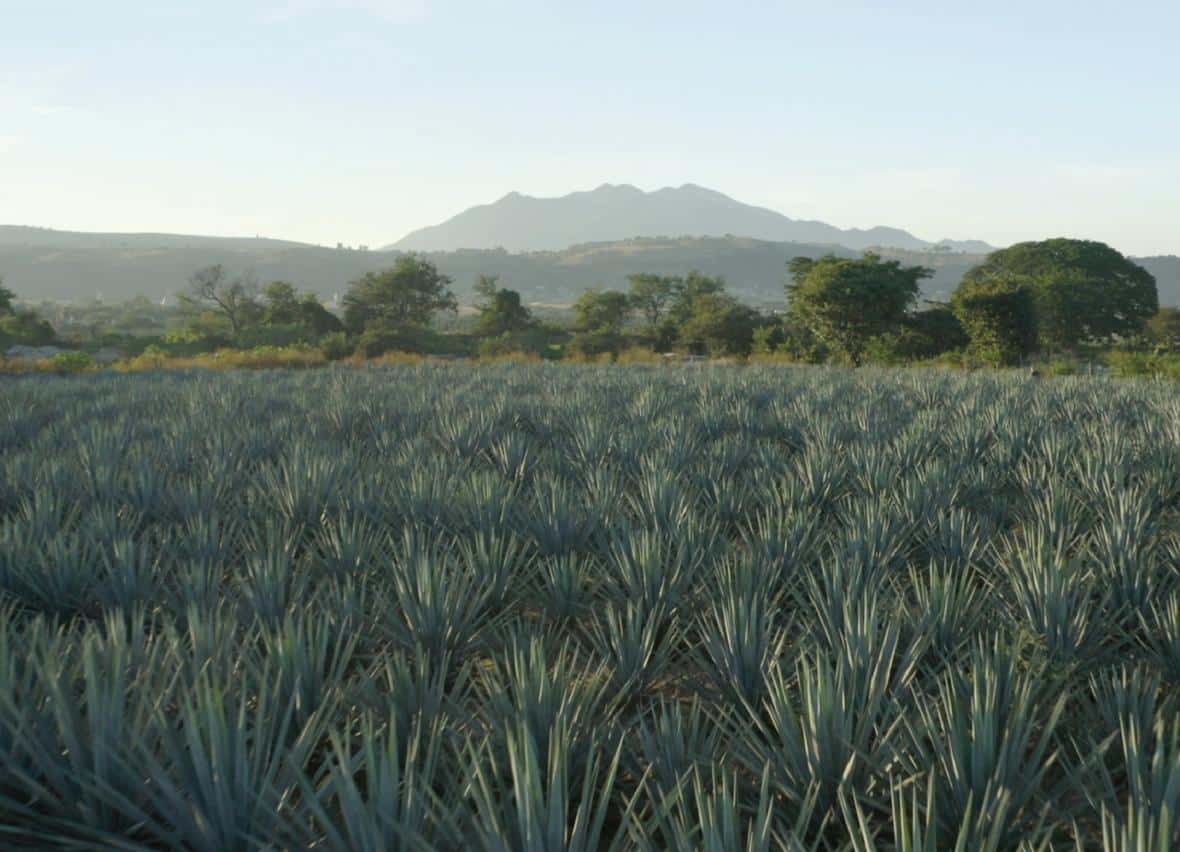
<point x="1052" y="296"/>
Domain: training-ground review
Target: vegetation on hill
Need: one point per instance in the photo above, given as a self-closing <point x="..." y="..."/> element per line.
<point x="76" y="267"/>
<point x="1056" y="299"/>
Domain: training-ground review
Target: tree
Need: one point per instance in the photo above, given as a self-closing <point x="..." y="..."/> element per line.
<point x="650" y="295"/>
<point x="500" y="310"/>
<point x="687" y="290"/>
<point x="1163" y="329"/>
<point x="845" y="302"/>
<point x="998" y="315"/>
<point x="408" y="293"/>
<point x="931" y="332"/>
<point x="211" y="288"/>
<point x="282" y="303"/>
<point x="601" y="311"/>
<point x="287" y="307"/>
<point x="7" y="297"/>
<point x="1081" y="290"/>
<point x="720" y="325"/>
<point x="316" y="318"/>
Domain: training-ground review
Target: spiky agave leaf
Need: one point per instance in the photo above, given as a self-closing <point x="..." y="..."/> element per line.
<point x="435" y="603"/>
<point x="219" y="770"/>
<point x="714" y="813"/>
<point x="378" y="792"/>
<point x="541" y="688"/>
<point x="989" y="737"/>
<point x="534" y="799"/>
<point x="1055" y="598"/>
<point x="637" y="643"/>
<point x="1160" y="635"/>
<point x="673" y="739"/>
<point x="1149" y="821"/>
<point x="68" y="719"/>
<point x="829" y="725"/>
<point x="740" y="635"/>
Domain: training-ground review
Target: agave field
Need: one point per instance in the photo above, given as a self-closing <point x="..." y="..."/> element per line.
<point x="561" y="607"/>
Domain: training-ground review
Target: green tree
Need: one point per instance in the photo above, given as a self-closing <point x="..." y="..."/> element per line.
<point x="650" y="295"/>
<point x="409" y="293"/>
<point x="720" y="325"/>
<point x="998" y="315"/>
<point x="1081" y="290"/>
<point x="285" y="306"/>
<point x="931" y="332"/>
<point x="212" y="289"/>
<point x="7" y="297"/>
<point x="282" y="303"/>
<point x="687" y="290"/>
<point x="316" y="318"/>
<point x="1163" y="329"/>
<point x="846" y="302"/>
<point x="500" y="309"/>
<point x="601" y="311"/>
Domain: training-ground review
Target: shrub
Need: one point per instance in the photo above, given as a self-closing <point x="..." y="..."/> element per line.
<point x="379" y="339"/>
<point x="1126" y="363"/>
<point x="71" y="362"/>
<point x="337" y="346"/>
<point x="593" y="344"/>
<point x="533" y="343"/>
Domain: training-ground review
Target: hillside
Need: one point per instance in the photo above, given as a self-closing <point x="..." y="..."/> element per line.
<point x="610" y="213"/>
<point x="63" y="266"/>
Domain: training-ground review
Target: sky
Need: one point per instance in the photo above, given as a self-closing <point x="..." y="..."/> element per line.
<point x="358" y="121"/>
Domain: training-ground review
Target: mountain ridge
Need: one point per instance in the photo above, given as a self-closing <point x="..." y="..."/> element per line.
<point x="613" y="212"/>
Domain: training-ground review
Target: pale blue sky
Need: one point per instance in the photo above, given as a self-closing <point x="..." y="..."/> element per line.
<point x="360" y="120"/>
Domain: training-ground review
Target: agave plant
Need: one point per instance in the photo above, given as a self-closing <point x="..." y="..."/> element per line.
<point x="989" y="737"/>
<point x="68" y="719"/>
<point x="569" y="606"/>
<point x="637" y="644"/>
<point x="740" y="637"/>
<point x="711" y="814"/>
<point x="435" y="604"/>
<point x="378" y="792"/>
<point x="828" y="726"/>
<point x="524" y="802"/>
<point x="529" y="686"/>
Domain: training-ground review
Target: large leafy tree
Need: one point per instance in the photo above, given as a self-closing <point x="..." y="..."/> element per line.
<point x="286" y="306"/>
<point x="845" y="302"/>
<point x="282" y="303"/>
<point x="408" y="293"/>
<point x="686" y="291"/>
<point x="998" y="316"/>
<point x="650" y="295"/>
<point x="720" y="325"/>
<point x="1081" y="290"/>
<point x="601" y="311"/>
<point x="500" y="310"/>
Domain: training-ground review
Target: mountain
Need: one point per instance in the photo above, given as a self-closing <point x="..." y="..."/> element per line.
<point x="524" y="223"/>
<point x="54" y="265"/>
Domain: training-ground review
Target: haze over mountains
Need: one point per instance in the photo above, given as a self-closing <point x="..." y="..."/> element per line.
<point x="618" y="212"/>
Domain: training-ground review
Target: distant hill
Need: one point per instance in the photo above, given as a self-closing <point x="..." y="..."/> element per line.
<point x="610" y="213"/>
<point x="40" y="264"/>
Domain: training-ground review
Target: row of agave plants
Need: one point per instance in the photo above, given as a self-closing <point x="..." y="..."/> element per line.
<point x="562" y="607"/>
